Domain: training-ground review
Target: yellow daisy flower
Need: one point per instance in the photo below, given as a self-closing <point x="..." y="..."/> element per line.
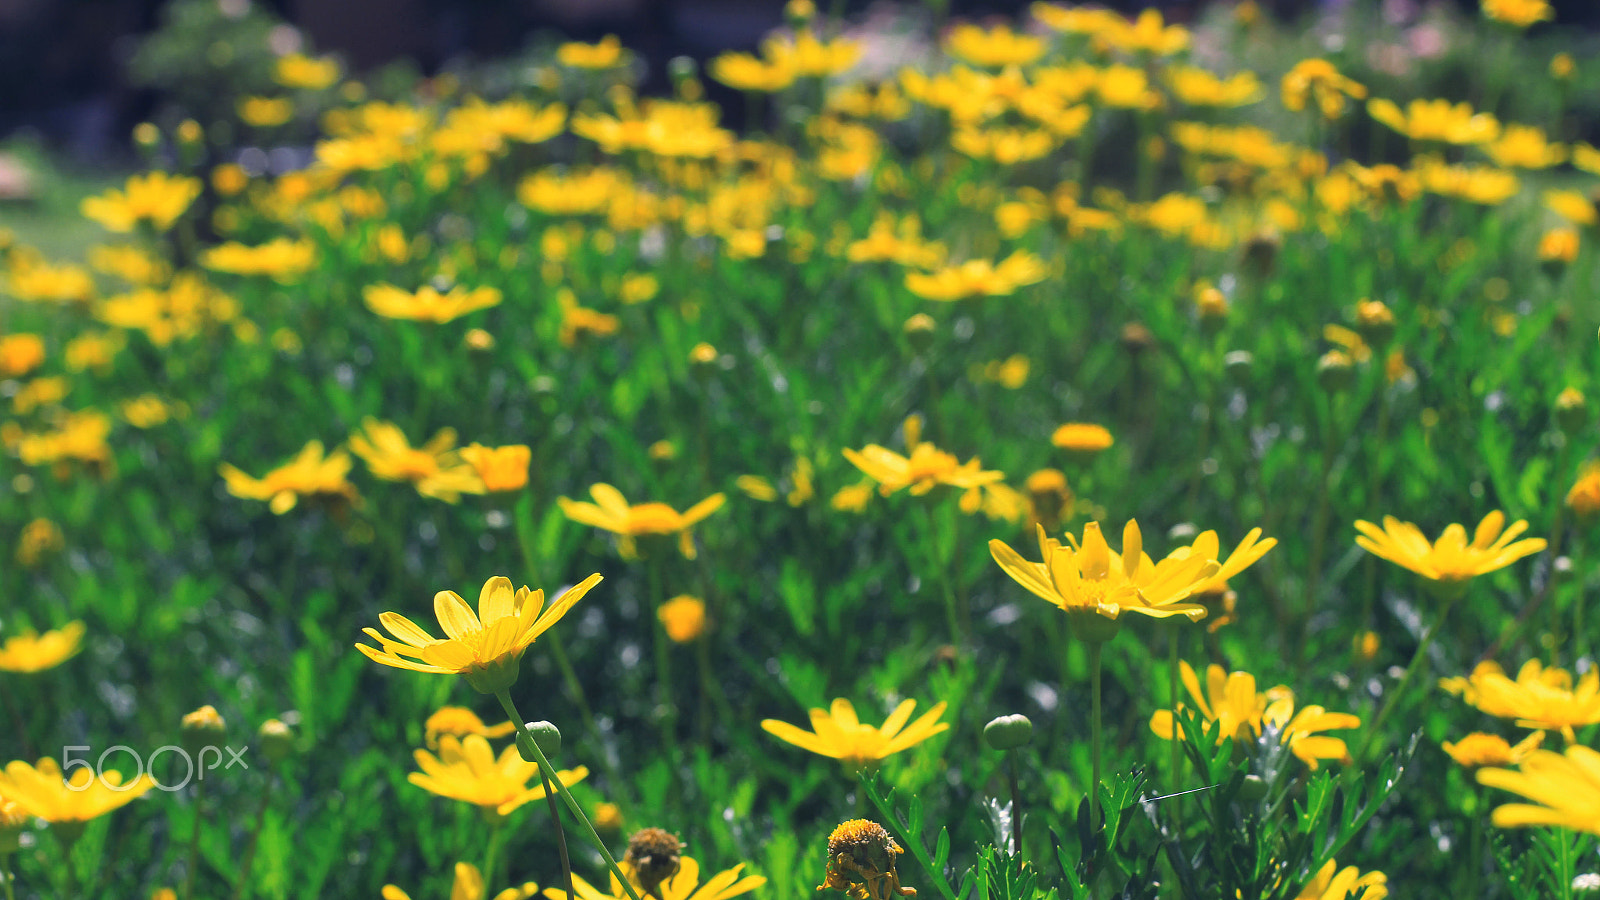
<point x="681" y="886"/>
<point x="435" y="468"/>
<point x="34" y="652"/>
<point x="1232" y="700"/>
<point x="467" y="770"/>
<point x="68" y="804"/>
<point x="485" y="647"/>
<point x="469" y="886"/>
<point x="837" y="733"/>
<point x="1333" y="883"/>
<point x="1450" y="559"/>
<point x="308" y="474"/>
<point x="1479" y="749"/>
<point x="1568" y="786"/>
<point x="154" y="197"/>
<point x="460" y="722"/>
<point x="611" y="512"/>
<point x="1539" y="698"/>
<point x="924" y="468"/>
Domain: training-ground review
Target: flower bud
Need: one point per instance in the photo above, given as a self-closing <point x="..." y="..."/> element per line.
<point x="1237" y="364"/>
<point x="1136" y="338"/>
<point x="1571" y="410"/>
<point x="1375" y="322"/>
<point x="546" y="735"/>
<point x="607" y="818"/>
<point x="1335" y="372"/>
<point x="702" y="360"/>
<point x="919" y="331"/>
<point x="1008" y="732"/>
<point x="1252" y="789"/>
<point x="203" y="728"/>
<point x="275" y="740"/>
<point x="1212" y="305"/>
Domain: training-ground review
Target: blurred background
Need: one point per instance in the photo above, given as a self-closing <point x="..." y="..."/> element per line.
<point x="78" y="74"/>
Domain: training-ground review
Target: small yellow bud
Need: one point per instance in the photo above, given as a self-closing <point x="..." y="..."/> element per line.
<point x="203" y="728"/>
<point x="683" y="617"/>
<point x="1335" y="371"/>
<point x="1571" y="410"/>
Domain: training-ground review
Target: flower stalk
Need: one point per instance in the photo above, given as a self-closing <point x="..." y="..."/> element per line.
<point x="546" y="771"/>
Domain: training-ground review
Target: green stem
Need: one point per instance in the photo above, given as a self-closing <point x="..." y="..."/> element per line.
<point x="1094" y="736"/>
<point x="5" y="873"/>
<point x="561" y="835"/>
<point x="1374" y="484"/>
<point x="1175" y="756"/>
<point x="566" y="795"/>
<point x="1578" y="570"/>
<point x="241" y="889"/>
<point x="1405" y="680"/>
<point x="664" y="707"/>
<point x="1016" y="804"/>
<point x="496" y="836"/>
<point x="1319" y="523"/>
<point x="941" y="566"/>
<point x="194" y="841"/>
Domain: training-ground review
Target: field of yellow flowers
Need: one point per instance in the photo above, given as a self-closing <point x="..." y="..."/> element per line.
<point x="1076" y="457"/>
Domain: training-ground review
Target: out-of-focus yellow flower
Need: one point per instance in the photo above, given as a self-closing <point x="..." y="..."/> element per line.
<point x="1244" y="714"/>
<point x="39" y="537"/>
<point x="683" y="617"/>
<point x="1574" y="206"/>
<point x="662" y="451"/>
<point x="458" y="721"/>
<point x="485" y="647"/>
<point x="1010" y="373"/>
<point x="1333" y="883"/>
<point x="1148" y="33"/>
<point x="427" y="304"/>
<point x="1518" y="13"/>
<point x="1525" y="147"/>
<point x="993" y="47"/>
<point x="1317" y="79"/>
<point x="145" y="411"/>
<point x="745" y="72"/>
<point x="69" y="804"/>
<point x="1542" y="698"/>
<point x="1200" y="87"/>
<point x="605" y="55"/>
<point x="1584" y="496"/>
<point x="469" y="885"/>
<point x="297" y="70"/>
<point x="837" y="734"/>
<point x="809" y="57"/>
<point x="1562" y="68"/>
<point x="979" y="278"/>
<point x="79" y="435"/>
<point x="229" y="179"/>
<point x="266" y="112"/>
<point x="637" y="287"/>
<point x="30" y="651"/>
<point x="308" y="474"/>
<point x="20" y="354"/>
<point x="436" y="469"/>
<point x="661" y="127"/>
<point x="1480" y="184"/>
<point x="924" y="468"/>
<point x="1478" y="749"/>
<point x="852" y="498"/>
<point x="1094" y="585"/>
<point x="902" y="242"/>
<point x="1076" y="19"/>
<point x="153" y="197"/>
<point x="1127" y="87"/>
<point x="578" y="322"/>
<point x="467" y="770"/>
<point x="1558" y="245"/>
<point x="756" y="488"/>
<point x="281" y="258"/>
<point x="32" y="279"/>
<point x="1450" y="559"/>
<point x="1436" y="120"/>
<point x="1568" y="786"/>
<point x="1049" y="498"/>
<point x="611" y="512"/>
<point x="1082" y="437"/>
<point x="94" y="350"/>
<point x="500" y="468"/>
<point x="40" y="392"/>
<point x="134" y="265"/>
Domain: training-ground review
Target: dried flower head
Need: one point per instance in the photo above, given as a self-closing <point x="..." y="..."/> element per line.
<point x="654" y="854"/>
<point x="861" y="857"/>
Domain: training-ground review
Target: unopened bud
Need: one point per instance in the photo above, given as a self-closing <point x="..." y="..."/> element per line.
<point x="547" y="736"/>
<point x="1335" y="372"/>
<point x="203" y="728"/>
<point x="1237" y="364"/>
<point x="275" y="740"/>
<point x="1571" y="410"/>
<point x="919" y="330"/>
<point x="1252" y="789"/>
<point x="1375" y="322"/>
<point x="1008" y="732"/>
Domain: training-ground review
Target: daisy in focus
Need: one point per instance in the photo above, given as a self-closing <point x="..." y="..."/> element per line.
<point x="485" y="647"/>
<point x="1451" y="559"/>
<point x="1231" y="700"/>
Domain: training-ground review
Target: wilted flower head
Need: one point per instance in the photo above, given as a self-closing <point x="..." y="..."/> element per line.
<point x="861" y="862"/>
